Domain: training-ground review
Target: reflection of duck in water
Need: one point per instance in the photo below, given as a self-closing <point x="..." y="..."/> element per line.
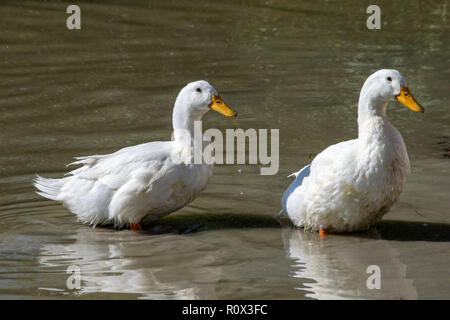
<point x="112" y="263"/>
<point x="336" y="267"/>
<point x="352" y="184"/>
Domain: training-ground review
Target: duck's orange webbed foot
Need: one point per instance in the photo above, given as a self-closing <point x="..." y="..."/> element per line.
<point x="135" y="226"/>
<point x="323" y="232"/>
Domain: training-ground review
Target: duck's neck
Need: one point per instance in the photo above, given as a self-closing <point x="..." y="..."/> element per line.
<point x="183" y="122"/>
<point x="371" y="110"/>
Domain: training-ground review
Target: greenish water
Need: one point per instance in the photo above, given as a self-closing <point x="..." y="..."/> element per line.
<point x="296" y="66"/>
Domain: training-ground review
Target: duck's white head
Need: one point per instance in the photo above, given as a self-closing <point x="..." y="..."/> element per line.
<point x="198" y="97"/>
<point x="193" y="101"/>
<point x="382" y="87"/>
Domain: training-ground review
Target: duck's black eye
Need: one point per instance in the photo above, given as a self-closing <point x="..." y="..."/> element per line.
<point x="389" y="79"/>
<point x="198" y="90"/>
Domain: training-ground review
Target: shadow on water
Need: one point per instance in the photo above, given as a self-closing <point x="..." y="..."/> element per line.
<point x="402" y="231"/>
<point x="190" y="223"/>
<point x="413" y="231"/>
<point x="184" y="224"/>
<point x="385" y="229"/>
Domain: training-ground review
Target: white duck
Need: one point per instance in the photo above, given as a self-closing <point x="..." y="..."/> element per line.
<point x="149" y="180"/>
<point x="352" y="184"/>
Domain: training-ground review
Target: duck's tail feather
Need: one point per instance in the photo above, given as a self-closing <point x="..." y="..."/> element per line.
<point x="48" y="188"/>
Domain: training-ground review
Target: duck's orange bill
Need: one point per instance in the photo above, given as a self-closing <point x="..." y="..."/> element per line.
<point x="217" y="104"/>
<point x="408" y="100"/>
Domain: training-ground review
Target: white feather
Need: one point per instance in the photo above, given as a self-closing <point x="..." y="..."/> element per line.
<point x="352" y="184"/>
<point x="145" y="181"/>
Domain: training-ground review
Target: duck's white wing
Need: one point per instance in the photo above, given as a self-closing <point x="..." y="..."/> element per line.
<point x="335" y="157"/>
<point x="115" y="169"/>
<point x="329" y="166"/>
<point x="105" y="184"/>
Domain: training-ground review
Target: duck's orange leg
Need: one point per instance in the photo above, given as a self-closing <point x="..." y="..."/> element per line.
<point x="323" y="232"/>
<point x="135" y="226"/>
